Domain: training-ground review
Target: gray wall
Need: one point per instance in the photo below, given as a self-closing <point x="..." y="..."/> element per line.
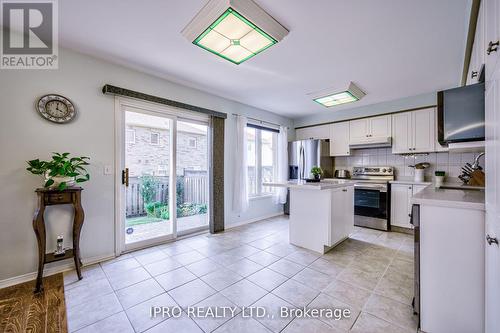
<point x="25" y="135"/>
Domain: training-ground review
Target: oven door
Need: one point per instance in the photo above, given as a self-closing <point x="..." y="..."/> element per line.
<point x="370" y="200"/>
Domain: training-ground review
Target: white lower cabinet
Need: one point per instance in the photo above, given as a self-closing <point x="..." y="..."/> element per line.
<point x="342" y="214"/>
<point x="401" y="195"/>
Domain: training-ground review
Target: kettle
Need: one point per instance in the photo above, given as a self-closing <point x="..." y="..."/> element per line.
<point x="342" y="173"/>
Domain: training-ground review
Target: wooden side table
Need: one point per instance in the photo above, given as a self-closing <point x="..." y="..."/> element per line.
<point x="47" y="197"/>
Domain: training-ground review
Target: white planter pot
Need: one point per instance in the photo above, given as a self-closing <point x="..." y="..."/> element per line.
<point x="70" y="181"/>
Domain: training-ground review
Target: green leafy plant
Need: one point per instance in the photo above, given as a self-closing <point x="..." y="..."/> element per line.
<point x="316" y="171"/>
<point x="61" y="165"/>
<point x="149" y="184"/>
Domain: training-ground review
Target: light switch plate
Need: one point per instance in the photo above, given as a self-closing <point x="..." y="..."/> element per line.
<point x="108" y="170"/>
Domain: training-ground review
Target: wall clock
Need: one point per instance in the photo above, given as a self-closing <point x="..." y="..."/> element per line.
<point x="56" y="108"/>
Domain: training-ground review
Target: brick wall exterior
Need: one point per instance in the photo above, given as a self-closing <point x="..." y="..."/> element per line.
<point x="143" y="157"/>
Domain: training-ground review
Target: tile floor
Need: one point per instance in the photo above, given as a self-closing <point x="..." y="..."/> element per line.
<point x="371" y="274"/>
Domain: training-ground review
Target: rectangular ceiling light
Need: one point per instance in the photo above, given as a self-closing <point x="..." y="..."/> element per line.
<point x="235" y="30"/>
<point x="352" y="94"/>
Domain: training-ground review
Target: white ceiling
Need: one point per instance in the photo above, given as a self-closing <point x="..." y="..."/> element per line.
<point x="389" y="48"/>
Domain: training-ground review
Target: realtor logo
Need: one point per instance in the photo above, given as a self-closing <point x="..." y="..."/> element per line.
<point x="29" y="34"/>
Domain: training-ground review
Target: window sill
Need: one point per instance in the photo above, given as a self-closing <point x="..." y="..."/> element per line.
<point x="261" y="197"/>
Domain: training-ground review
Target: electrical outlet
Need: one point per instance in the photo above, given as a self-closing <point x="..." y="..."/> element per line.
<point x="108" y="170"/>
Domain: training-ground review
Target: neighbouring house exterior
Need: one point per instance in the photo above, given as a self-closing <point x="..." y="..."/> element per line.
<point x="148" y="149"/>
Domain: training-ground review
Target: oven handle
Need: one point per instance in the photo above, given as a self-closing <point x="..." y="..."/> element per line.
<point x="379" y="188"/>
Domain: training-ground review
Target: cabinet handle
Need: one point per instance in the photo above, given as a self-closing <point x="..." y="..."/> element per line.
<point x="344" y="190"/>
<point x="491" y="240"/>
<point x="473" y="74"/>
<point x="409" y="188"/>
<point x="492" y="47"/>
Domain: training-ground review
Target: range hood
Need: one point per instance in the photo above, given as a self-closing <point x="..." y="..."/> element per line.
<point x="373" y="143"/>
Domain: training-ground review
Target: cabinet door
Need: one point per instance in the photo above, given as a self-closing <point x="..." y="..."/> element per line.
<point x="423" y="130"/>
<point x="358" y="131"/>
<point x="342" y="223"/>
<point x="314" y="132"/>
<point x="437" y="145"/>
<point x="492" y="34"/>
<point x="301" y="133"/>
<point x="401" y="133"/>
<point x="380" y="127"/>
<point x="400" y="205"/>
<point x="339" y="139"/>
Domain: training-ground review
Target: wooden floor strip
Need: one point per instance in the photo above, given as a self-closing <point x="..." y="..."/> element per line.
<point x="23" y="311"/>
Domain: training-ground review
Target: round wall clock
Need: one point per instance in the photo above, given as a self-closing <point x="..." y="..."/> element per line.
<point x="56" y="108"/>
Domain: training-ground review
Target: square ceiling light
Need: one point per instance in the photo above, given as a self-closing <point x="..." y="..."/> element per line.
<point x="235" y="30"/>
<point x="328" y="99"/>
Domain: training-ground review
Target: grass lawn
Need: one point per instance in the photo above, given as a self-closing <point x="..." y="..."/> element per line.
<point x="142" y="220"/>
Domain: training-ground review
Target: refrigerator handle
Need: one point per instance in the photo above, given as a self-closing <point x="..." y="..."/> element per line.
<point x="303" y="157"/>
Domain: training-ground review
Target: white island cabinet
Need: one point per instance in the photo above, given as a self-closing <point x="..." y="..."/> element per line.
<point x="321" y="214"/>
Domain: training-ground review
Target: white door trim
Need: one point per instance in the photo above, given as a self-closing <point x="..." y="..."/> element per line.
<point x="156" y="110"/>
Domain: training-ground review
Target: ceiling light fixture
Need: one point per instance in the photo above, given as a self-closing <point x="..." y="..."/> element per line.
<point x="328" y="99"/>
<point x="235" y="30"/>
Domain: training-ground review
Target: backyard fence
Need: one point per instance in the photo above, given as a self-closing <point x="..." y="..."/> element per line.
<point x="191" y="188"/>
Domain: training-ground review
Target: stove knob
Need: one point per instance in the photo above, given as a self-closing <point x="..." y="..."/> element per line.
<point x="389" y="170"/>
<point x="384" y="170"/>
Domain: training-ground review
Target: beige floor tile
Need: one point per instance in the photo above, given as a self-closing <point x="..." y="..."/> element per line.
<point x="267" y="279"/>
<point x="175" y="278"/>
<point x="330" y="268"/>
<point x="245" y="267"/>
<point x="188" y="257"/>
<point x="392" y="311"/>
<point x="221" y="278"/>
<point x="347" y="293"/>
<point x="162" y="266"/>
<point x="243" y="293"/>
<point x="359" y="278"/>
<point x="273" y="320"/>
<point x="93" y="311"/>
<point x="323" y="301"/>
<point x="295" y="293"/>
<point x="306" y="325"/>
<point x="117" y="323"/>
<point x="203" y="267"/>
<point x="303" y="257"/>
<point x="148" y="258"/>
<point x="128" y="278"/>
<point x="139" y="293"/>
<point x="215" y="303"/>
<point x="286" y="267"/>
<point x="140" y="314"/>
<point x="191" y="293"/>
<point x="240" y="324"/>
<point x="367" y="323"/>
<point x="313" y="279"/>
<point x="264" y="258"/>
<point x="87" y="292"/>
<point x="182" y="324"/>
<point x="397" y="286"/>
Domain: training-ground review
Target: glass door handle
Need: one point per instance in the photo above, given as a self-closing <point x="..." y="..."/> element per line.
<point x="125" y="177"/>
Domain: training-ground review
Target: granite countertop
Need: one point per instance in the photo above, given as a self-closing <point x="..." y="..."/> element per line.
<point x="409" y="182"/>
<point x="454" y="198"/>
<point x="325" y="184"/>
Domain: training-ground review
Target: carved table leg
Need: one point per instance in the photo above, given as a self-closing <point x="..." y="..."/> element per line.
<point x="39" y="228"/>
<point x="77" y="227"/>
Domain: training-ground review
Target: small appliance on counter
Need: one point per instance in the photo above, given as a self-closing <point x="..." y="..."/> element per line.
<point x="342" y="174"/>
<point x="472" y="174"/>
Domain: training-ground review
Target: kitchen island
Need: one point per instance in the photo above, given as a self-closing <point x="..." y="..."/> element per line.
<point x="321" y="214"/>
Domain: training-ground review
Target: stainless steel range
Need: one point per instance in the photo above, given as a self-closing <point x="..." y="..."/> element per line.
<point x="371" y="196"/>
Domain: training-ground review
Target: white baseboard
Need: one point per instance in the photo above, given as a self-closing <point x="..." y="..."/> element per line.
<point x="67" y="266"/>
<point x="257" y="219"/>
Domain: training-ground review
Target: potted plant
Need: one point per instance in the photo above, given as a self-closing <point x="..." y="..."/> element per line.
<point x="62" y="171"/>
<point x="316" y="171"/>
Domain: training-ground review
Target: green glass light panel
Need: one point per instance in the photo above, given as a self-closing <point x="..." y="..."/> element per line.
<point x="234" y="38"/>
<point x="336" y="99"/>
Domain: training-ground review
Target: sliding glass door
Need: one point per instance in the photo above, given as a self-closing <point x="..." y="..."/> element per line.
<point x="164" y="176"/>
<point x="192" y="176"/>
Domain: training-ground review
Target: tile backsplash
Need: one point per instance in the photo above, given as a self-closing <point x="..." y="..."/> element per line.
<point x="451" y="163"/>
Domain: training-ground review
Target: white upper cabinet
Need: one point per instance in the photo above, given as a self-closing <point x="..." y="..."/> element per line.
<point x="477" y="59"/>
<point x="380" y="127"/>
<point x="414" y="131"/>
<point x="369" y="130"/>
<point x="339" y="139"/>
<point x="424" y="134"/>
<point x="314" y="132"/>
<point x="401" y="133"/>
<point x="359" y="130"/>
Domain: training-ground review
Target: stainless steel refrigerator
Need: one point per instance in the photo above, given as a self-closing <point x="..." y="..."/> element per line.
<point x="305" y="154"/>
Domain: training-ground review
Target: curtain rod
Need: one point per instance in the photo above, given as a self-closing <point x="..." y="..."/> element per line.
<point x="113" y="90"/>
<point x="260" y="121"/>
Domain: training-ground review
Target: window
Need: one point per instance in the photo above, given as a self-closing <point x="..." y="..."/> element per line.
<point x="192" y="142"/>
<point x="155" y="138"/>
<point x="130" y="136"/>
<point x="261" y="160"/>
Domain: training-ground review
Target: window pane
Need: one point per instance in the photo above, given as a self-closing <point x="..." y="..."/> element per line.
<point x="268" y="140"/>
<point x="251" y="161"/>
